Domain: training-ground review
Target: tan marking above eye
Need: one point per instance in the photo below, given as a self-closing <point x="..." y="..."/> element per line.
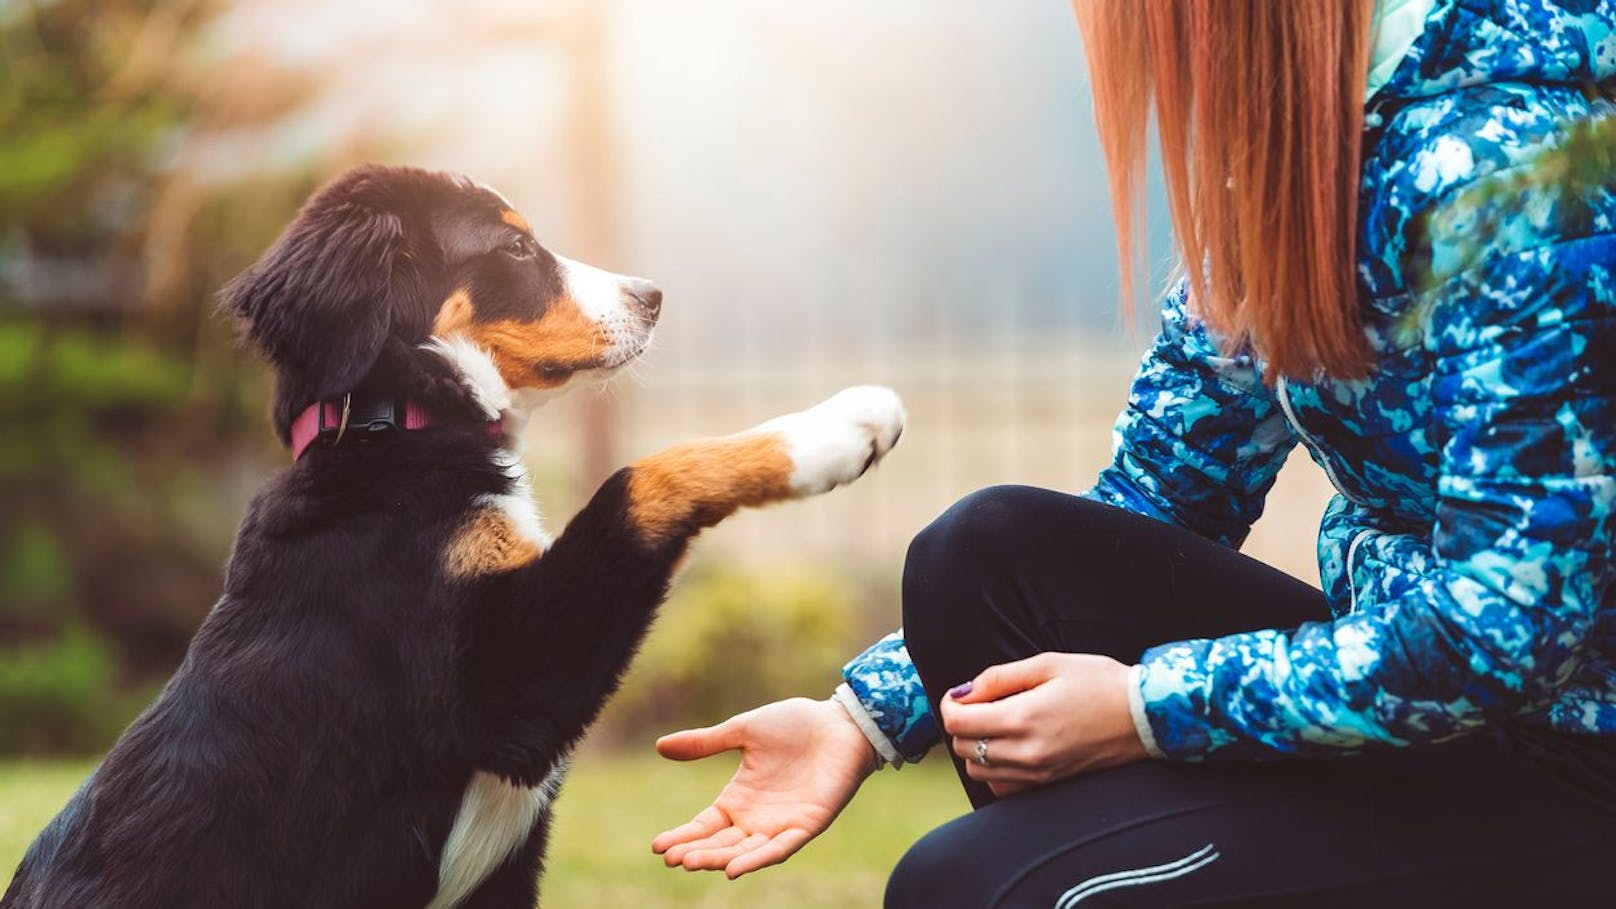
<point x="515" y="219"/>
<point x="454" y="315"/>
<point x="488" y="543"/>
<point x="698" y="484"/>
<point x="543" y="353"/>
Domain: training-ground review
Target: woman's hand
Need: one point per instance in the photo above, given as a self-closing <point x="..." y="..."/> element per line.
<point x="1045" y="718"/>
<point x="801" y="763"/>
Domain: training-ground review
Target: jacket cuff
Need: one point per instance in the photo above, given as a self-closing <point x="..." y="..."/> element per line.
<point x="1173" y="701"/>
<point x="884" y="750"/>
<point x="884" y="681"/>
<point x="1136" y="707"/>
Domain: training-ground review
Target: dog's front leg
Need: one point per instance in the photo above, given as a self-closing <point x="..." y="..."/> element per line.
<point x="548" y="640"/>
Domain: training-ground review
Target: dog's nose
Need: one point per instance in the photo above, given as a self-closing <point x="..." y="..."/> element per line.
<point x="646" y="294"/>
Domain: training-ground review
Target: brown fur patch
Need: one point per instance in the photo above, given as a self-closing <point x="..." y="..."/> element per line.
<point x="698" y="484"/>
<point x="544" y="353"/>
<point x="454" y="315"/>
<point x="488" y="543"/>
<point x="515" y="219"/>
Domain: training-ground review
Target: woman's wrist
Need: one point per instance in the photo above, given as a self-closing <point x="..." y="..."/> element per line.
<point x="881" y="751"/>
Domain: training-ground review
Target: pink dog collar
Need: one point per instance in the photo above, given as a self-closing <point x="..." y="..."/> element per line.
<point x="331" y="420"/>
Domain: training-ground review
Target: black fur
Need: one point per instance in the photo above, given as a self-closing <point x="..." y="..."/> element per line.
<point x="313" y="748"/>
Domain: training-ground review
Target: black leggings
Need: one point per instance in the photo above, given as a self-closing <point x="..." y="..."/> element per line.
<point x="1013" y="571"/>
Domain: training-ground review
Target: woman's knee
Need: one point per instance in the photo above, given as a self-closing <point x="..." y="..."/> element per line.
<point x="985" y="539"/>
<point x="938" y="870"/>
<point x="956" y="553"/>
<point x="970" y="535"/>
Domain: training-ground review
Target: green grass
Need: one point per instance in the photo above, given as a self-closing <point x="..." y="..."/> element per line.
<point x="611" y="807"/>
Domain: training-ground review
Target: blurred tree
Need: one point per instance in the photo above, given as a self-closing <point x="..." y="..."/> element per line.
<point x="129" y="431"/>
<point x="82" y="114"/>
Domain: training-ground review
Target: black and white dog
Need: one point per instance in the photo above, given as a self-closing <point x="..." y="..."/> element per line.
<point x="379" y="709"/>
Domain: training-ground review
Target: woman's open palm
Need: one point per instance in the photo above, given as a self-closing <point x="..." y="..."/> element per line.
<point x="801" y="763"/>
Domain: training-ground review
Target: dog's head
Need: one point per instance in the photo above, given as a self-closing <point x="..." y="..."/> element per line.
<point x="396" y="257"/>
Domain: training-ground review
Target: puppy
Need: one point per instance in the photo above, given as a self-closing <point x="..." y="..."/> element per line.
<point x="379" y="709"/>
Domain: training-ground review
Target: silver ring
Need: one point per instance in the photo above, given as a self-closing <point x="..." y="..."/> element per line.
<point x="982" y="753"/>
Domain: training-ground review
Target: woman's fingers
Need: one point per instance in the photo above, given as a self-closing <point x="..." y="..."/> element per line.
<point x="1010" y="761"/>
<point x="776" y="850"/>
<point x="717" y="856"/>
<point x="730" y="848"/>
<point x="705" y="824"/>
<point x="1005" y="679"/>
<point x="1001" y="752"/>
<point x="994" y="773"/>
<point x="998" y="703"/>
<point x="994" y="719"/>
<point x="728" y="836"/>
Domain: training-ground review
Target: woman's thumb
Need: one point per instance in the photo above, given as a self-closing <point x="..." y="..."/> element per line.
<point x="694" y="744"/>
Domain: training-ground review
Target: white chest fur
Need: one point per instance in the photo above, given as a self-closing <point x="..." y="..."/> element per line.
<point x="495" y="819"/>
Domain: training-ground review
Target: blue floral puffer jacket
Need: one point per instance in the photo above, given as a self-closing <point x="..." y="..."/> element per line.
<point x="1468" y="554"/>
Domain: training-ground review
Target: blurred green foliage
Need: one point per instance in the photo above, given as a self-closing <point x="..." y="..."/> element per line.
<point x="83" y="113"/>
<point x="59" y="696"/>
<point x="130" y="429"/>
<point x="731" y="638"/>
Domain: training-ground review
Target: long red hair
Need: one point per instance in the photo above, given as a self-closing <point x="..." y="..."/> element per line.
<point x="1258" y="109"/>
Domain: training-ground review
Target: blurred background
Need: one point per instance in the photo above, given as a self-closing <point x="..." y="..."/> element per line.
<point x="829" y="193"/>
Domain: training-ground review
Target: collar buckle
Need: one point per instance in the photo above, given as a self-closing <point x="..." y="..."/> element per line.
<point x="365" y="417"/>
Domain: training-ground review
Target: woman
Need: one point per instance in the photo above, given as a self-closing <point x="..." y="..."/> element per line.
<point x="1436" y="321"/>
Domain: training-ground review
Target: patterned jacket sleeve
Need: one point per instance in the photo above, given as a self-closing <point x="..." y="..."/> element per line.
<point x="884" y="682"/>
<point x="1199" y="445"/>
<point x="1523" y="340"/>
<point x="1201" y="439"/>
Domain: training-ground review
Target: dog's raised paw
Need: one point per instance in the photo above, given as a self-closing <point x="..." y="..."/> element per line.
<point x="835" y="441"/>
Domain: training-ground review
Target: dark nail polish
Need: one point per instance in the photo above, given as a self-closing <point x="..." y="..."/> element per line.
<point x="959" y="691"/>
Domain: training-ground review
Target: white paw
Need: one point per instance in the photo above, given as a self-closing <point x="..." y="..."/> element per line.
<point x="835" y="441"/>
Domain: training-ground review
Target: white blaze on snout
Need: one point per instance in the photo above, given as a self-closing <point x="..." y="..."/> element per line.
<point x="603" y="298"/>
<point x="598" y="292"/>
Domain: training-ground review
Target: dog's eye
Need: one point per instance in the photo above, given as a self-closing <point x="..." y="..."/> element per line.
<point x="522" y="247"/>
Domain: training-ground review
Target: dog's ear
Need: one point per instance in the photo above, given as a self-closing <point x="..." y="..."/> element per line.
<point x="340" y="280"/>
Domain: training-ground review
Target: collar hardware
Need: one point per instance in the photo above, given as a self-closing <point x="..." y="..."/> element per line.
<point x="332" y="420"/>
<point x="379" y="415"/>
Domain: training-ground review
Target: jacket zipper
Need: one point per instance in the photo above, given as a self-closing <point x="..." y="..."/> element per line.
<point x="1312" y="443"/>
<point x="1352" y="582"/>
